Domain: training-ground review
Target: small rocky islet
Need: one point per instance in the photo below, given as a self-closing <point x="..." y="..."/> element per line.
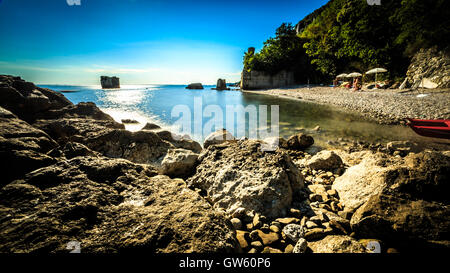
<point x="72" y="173"/>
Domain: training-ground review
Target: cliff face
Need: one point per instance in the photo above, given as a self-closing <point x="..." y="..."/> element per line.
<point x="430" y="68"/>
<point x="261" y="80"/>
<point x="109" y="82"/>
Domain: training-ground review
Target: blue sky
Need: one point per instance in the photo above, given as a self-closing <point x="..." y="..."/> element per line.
<point x="141" y="41"/>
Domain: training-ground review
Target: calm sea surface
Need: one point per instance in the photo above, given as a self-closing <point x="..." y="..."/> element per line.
<point x="154" y="103"/>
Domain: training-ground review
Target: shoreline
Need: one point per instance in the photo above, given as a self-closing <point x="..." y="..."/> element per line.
<point x="384" y="106"/>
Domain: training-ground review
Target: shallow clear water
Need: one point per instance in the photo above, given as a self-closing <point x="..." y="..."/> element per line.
<point x="154" y="103"/>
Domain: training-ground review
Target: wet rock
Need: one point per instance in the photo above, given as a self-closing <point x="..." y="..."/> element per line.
<point x="403" y="146"/>
<point x="179" y="163"/>
<point x="324" y="160"/>
<point x="129" y="121"/>
<point x="218" y="137"/>
<point x="299" y="142"/>
<point x="108" y="205"/>
<point x="239" y="175"/>
<point x="337" y="244"/>
<point x="151" y="126"/>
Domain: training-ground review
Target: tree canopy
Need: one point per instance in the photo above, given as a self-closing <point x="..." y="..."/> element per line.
<point x="348" y="35"/>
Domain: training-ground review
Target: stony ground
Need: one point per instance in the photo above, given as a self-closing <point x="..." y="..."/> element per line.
<point x="388" y="106"/>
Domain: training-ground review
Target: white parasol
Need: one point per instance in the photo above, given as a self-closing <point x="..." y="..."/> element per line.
<point x="354" y="75"/>
<point x="343" y="75"/>
<point x="376" y="71"/>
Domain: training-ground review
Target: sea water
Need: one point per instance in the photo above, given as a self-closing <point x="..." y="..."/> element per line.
<point x="154" y="104"/>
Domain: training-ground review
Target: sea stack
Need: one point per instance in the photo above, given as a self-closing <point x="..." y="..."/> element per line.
<point x="109" y="82"/>
<point x="195" y="86"/>
<point x="221" y="85"/>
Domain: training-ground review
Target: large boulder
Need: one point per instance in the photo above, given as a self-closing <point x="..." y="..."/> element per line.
<point x="179" y="163"/>
<point x="242" y="179"/>
<point x="405" y="223"/>
<point x="86" y="110"/>
<point x="299" y="142"/>
<point x="422" y="176"/>
<point x="108" y="205"/>
<point x="22" y="147"/>
<point x="362" y="180"/>
<point x="404" y="203"/>
<point x="337" y="244"/>
<point x="26" y="100"/>
<point x="324" y="160"/>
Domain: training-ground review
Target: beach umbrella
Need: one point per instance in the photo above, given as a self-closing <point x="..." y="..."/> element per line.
<point x="376" y="71"/>
<point x="354" y="75"/>
<point x="343" y="75"/>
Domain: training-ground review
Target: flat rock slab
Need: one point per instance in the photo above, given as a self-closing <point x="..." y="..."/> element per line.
<point x="108" y="206"/>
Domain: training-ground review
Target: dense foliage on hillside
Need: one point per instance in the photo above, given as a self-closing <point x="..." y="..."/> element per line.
<point x="350" y="35"/>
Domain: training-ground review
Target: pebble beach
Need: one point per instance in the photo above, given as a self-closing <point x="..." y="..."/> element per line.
<point x="386" y="106"/>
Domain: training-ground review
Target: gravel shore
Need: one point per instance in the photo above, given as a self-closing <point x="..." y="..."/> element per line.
<point x="389" y="106"/>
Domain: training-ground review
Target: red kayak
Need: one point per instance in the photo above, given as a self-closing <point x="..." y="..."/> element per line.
<point x="430" y="128"/>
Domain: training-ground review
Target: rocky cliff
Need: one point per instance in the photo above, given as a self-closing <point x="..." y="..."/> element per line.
<point x="261" y="80"/>
<point x="429" y="68"/>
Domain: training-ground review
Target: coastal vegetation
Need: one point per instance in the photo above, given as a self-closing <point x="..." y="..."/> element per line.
<point x="348" y="35"/>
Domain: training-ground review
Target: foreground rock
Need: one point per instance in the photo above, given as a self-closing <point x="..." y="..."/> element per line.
<point x="22" y="147"/>
<point x="108" y="205"/>
<point x="401" y="201"/>
<point x="85" y="123"/>
<point x="26" y="100"/>
<point x="324" y="160"/>
<point x="241" y="179"/>
<point x="337" y="244"/>
<point x="179" y="163"/>
<point x="363" y="180"/>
